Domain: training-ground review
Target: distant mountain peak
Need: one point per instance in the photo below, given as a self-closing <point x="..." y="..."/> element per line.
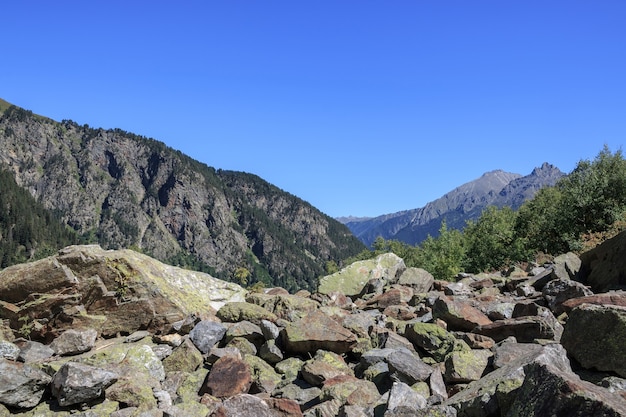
<point x="465" y="202"/>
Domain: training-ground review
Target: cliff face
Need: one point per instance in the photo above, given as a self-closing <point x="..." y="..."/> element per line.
<point x="122" y="190"/>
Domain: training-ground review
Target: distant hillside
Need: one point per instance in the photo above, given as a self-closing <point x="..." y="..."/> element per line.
<point x="123" y="190"/>
<point x="495" y="188"/>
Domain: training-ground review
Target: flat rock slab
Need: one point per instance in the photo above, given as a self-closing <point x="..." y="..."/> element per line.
<point x="229" y="376"/>
<point x="317" y="331"/>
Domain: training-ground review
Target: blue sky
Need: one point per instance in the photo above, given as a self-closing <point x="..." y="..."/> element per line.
<point x="358" y="107"/>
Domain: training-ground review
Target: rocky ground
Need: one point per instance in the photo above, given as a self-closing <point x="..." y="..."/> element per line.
<point x="93" y="333"/>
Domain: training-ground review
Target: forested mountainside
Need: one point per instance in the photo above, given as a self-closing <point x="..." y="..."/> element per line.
<point x="495" y="188"/>
<point x="123" y="190"/>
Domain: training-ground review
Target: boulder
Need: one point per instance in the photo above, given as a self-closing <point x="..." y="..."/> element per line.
<point x="406" y="367"/>
<point x="557" y="291"/>
<point x="431" y="338"/>
<point x="73" y="342"/>
<point x="402" y="396"/>
<point x="21" y="386"/>
<point x="466" y="366"/>
<point x="243" y="405"/>
<point x="229" y="376"/>
<point x="596" y="337"/>
<point x="317" y="331"/>
<point x="206" y="334"/>
<point x="352" y="279"/>
<point x="417" y="278"/>
<point x="459" y="314"/>
<point x="77" y="383"/>
<point x="242" y="311"/>
<point x="118" y="291"/>
<point x="550" y="391"/>
<point x="603" y="266"/>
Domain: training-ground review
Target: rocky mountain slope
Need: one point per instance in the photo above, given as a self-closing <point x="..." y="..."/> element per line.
<point x="122" y="190"/>
<point x="115" y="333"/>
<point x="495" y="188"/>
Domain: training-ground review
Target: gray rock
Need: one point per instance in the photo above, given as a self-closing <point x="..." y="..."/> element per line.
<point x="270" y="330"/>
<point x="73" y="342"/>
<point x="270" y="353"/>
<point x="206" y="334"/>
<point x="32" y="351"/>
<point x="557" y="291"/>
<point x="407" y="367"/>
<point x="511" y="351"/>
<point x="493" y="394"/>
<point x="417" y="278"/>
<point x="596" y="337"/>
<point x="401" y="395"/>
<point x="244" y="405"/>
<point x="550" y="391"/>
<point x="76" y="383"/>
<point x="9" y="350"/>
<point x="21" y="385"/>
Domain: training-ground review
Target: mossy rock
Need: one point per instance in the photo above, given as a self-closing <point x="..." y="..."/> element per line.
<point x="241" y="311"/>
<point x="433" y="339"/>
<point x="264" y="377"/>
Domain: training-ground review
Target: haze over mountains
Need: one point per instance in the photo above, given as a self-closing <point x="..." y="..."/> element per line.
<point x="466" y="202"/>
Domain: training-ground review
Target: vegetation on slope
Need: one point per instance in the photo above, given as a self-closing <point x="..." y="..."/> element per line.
<point x="582" y="209"/>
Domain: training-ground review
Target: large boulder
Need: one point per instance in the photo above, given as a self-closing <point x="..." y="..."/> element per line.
<point x="596" y="337"/>
<point x="118" y="291"/>
<point x="21" y="386"/>
<point x="603" y="266"/>
<point x="352" y="279"/>
<point x="317" y="331"/>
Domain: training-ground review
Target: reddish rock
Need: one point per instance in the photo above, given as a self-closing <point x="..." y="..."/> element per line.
<point x="283" y="407"/>
<point x="229" y="376"/>
<point x="617" y="298"/>
<point x="459" y="314"/>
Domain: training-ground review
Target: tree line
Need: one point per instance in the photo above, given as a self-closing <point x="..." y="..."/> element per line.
<point x="582" y="209"/>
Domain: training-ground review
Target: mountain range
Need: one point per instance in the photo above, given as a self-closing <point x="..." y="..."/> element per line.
<point x="122" y="190"/>
<point x="466" y="202"/>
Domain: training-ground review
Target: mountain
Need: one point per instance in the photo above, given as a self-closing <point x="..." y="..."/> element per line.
<point x="123" y="190"/>
<point x="494" y="188"/>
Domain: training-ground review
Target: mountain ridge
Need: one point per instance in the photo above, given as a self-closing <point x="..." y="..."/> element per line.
<point x="123" y="190"/>
<point x="465" y="202"/>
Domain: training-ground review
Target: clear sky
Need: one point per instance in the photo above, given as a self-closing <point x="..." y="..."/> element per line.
<point x="358" y="107"/>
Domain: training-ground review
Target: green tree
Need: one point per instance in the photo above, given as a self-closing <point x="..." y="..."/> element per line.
<point x="491" y="242"/>
<point x="443" y="256"/>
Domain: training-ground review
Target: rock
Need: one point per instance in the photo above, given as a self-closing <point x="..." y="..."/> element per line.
<point x="243" y="405"/>
<point x="77" y="383"/>
<point x="406" y="367"/>
<point x="596" y="336"/>
<point x="301" y="392"/>
<point x="246" y="330"/>
<point x="550" y="391"/>
<point x="206" y="334"/>
<point x="270" y="330"/>
<point x="21" y="386"/>
<point x="467" y="366"/>
<point x="349" y="390"/>
<point x="284" y="306"/>
<point x="352" y="279"/>
<point x="417" y="278"/>
<point x="229" y="376"/>
<point x="459" y="314"/>
<point x="112" y="291"/>
<point x="31" y="351"/>
<point x="73" y="342"/>
<point x="9" y="351"/>
<point x="185" y="358"/>
<point x="493" y="394"/>
<point x="557" y="291"/>
<point x="391" y="297"/>
<point x="317" y="331"/>
<point x="325" y="365"/>
<point x="402" y="396"/>
<point x="264" y="378"/>
<point x="566" y="266"/>
<point x="282" y="407"/>
<point x="525" y="329"/>
<point x="603" y="266"/>
<point x="244" y="311"/>
<point x="431" y="338"/>
<point x="512" y="351"/>
<point x="615" y="298"/>
<point x="270" y="353"/>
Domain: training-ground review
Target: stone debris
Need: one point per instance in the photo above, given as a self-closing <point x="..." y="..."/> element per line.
<point x="379" y="339"/>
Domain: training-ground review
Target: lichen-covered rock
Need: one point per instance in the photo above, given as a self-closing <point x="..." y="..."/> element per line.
<point x="352" y="279"/>
<point x="467" y="366"/>
<point x="433" y="339"/>
<point x="459" y="314"/>
<point x="112" y="291"/>
<point x="317" y="331"/>
<point x="596" y="337"/>
<point x="184" y="358"/>
<point x="325" y="365"/>
<point x="242" y="311"/>
<point x="407" y="367"/>
<point x="74" y="341"/>
<point x="349" y="390"/>
<point x="417" y="278"/>
<point x="21" y="386"/>
<point x="264" y="378"/>
<point x="77" y="383"/>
